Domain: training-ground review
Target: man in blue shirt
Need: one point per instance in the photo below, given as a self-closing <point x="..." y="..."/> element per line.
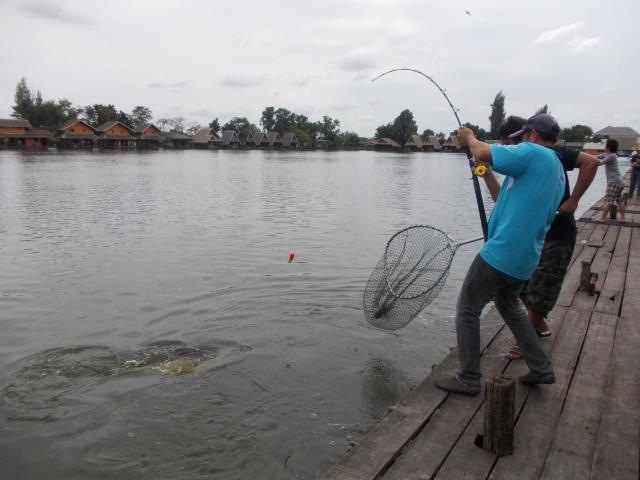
<point x="526" y="206"/>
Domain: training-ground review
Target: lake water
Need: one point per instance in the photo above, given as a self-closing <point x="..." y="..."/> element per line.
<point x="120" y="270"/>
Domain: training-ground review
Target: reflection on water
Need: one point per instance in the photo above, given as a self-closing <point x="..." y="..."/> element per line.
<point x="106" y="256"/>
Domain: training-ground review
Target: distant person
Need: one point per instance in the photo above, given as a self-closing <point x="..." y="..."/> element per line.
<point x="541" y="292"/>
<point x="615" y="183"/>
<point x="524" y="210"/>
<point x="634" y="160"/>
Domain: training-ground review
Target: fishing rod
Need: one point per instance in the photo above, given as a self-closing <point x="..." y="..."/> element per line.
<point x="478" y="170"/>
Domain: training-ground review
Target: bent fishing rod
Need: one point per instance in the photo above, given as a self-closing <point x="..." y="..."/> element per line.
<point x="474" y="176"/>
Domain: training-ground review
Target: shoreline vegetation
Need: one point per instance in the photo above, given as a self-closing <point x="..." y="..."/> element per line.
<point x="39" y="123"/>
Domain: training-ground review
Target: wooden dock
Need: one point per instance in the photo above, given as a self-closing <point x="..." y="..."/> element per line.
<point x="585" y="426"/>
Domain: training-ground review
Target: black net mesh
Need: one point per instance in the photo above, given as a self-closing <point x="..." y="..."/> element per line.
<point x="409" y="276"/>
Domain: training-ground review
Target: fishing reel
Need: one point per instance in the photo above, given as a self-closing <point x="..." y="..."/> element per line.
<point x="480" y="169"/>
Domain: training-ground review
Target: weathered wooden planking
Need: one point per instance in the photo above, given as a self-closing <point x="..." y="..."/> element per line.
<point x="424" y="455"/>
<point x="631" y="299"/>
<point x="613" y="286"/>
<point x="601" y="261"/>
<point x="586" y="253"/>
<point x="470" y="462"/>
<point x="537" y="421"/>
<point x="379" y="447"/>
<point x="617" y="451"/>
<point x="575" y="433"/>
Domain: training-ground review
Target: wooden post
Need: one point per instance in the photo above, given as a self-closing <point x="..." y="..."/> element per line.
<point x="613" y="212"/>
<point x="588" y="278"/>
<point x="499" y="414"/>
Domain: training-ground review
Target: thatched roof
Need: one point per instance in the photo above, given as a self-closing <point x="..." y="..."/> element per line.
<point x="288" y="139"/>
<point x="433" y="141"/>
<point x="229" y="137"/>
<point x="14" y="123"/>
<point x="414" y="141"/>
<point x="452" y="142"/>
<point x="178" y="136"/>
<point x="205" y="136"/>
<point x="273" y="138"/>
<point x="72" y="122"/>
<point x="388" y="142"/>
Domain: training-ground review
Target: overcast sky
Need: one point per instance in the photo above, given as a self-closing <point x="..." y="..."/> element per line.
<point x="205" y="59"/>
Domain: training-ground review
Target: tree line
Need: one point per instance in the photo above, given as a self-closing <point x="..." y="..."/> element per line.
<point x="51" y="114"/>
<point x="404" y="126"/>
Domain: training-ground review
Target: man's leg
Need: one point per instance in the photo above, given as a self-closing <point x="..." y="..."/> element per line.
<point x="477" y="290"/>
<point x="507" y="303"/>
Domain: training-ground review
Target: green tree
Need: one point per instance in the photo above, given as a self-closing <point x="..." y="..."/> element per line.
<point x="498" y="115"/>
<point x="125" y="118"/>
<point x="384" y="131"/>
<point x="348" y="140"/>
<point x="427" y="133"/>
<point x="215" y="125"/>
<point x="267" y="119"/>
<point x="241" y="125"/>
<point x="140" y="115"/>
<point x="543" y="109"/>
<point x="193" y="128"/>
<point x="97" y="114"/>
<point x="404" y="126"/>
<point x="177" y="124"/>
<point x="577" y="133"/>
<point x="480" y="133"/>
<point x="283" y="121"/>
<point x="23" y="100"/>
<point x="329" y="128"/>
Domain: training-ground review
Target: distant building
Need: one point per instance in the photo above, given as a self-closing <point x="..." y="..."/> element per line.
<point x="414" y="144"/>
<point x="76" y="134"/>
<point x="387" y="144"/>
<point x="206" y="138"/>
<point x="148" y="136"/>
<point x="229" y="139"/>
<point x="115" y="134"/>
<point x="593" y="148"/>
<point x="432" y="144"/>
<point x="274" y="140"/>
<point x="256" y="140"/>
<point x="627" y="138"/>
<point x="289" y="140"/>
<point x="177" y="140"/>
<point x="452" y="144"/>
<point x="20" y="133"/>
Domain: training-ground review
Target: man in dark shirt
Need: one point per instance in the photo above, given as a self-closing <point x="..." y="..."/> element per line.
<point x="541" y="291"/>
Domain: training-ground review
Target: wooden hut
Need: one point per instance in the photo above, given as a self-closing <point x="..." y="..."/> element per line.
<point x="289" y="140"/>
<point x="257" y="140"/>
<point x="206" y="138"/>
<point x="432" y="144"/>
<point x="229" y="139"/>
<point x="387" y="144"/>
<point x="19" y="133"/>
<point x="148" y="136"/>
<point x="414" y="144"/>
<point x="177" y="140"/>
<point x="628" y="139"/>
<point x="274" y="140"/>
<point x="452" y="145"/>
<point x="115" y="134"/>
<point x="76" y="134"/>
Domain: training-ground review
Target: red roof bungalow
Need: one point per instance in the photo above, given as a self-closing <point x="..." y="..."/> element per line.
<point x="148" y="136"/>
<point x="20" y="133"/>
<point x="114" y="134"/>
<point x="76" y="134"/>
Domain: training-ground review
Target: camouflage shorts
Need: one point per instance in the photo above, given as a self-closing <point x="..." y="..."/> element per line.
<point x="544" y="286"/>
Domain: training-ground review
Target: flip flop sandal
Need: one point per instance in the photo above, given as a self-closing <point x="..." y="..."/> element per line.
<point x="514" y="354"/>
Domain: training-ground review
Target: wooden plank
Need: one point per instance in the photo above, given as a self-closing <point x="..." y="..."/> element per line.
<point x="617" y="452"/>
<point x="601" y="261"/>
<point x="537" y="421"/>
<point x="631" y="299"/>
<point x="470" y="462"/>
<point x="422" y="458"/>
<point x="379" y="447"/>
<point x="575" y="433"/>
<point x="613" y="286"/>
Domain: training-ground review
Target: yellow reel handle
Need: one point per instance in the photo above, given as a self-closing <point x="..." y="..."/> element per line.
<point x="480" y="170"/>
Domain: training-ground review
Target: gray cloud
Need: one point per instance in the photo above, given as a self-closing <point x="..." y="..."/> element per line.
<point x="173" y="86"/>
<point x="241" y="81"/>
<point x="54" y="11"/>
<point x="357" y="61"/>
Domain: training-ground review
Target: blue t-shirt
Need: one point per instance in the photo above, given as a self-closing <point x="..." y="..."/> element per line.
<point x="527" y="204"/>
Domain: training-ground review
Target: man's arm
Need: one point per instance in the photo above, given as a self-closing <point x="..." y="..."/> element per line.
<point x="588" y="167"/>
<point x="492" y="185"/>
<point x="480" y="150"/>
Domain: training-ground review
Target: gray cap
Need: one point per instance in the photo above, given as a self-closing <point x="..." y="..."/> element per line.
<point x="542" y="123"/>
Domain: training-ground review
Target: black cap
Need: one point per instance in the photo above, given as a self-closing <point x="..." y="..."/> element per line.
<point x="542" y="123"/>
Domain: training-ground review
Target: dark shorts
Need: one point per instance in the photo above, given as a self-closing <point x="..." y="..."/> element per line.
<point x="614" y="192"/>
<point x="544" y="286"/>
